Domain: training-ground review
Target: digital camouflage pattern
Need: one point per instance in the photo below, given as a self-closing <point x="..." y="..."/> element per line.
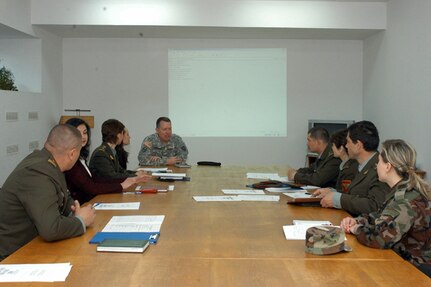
<point x="324" y="240"/>
<point x="152" y="146"/>
<point x="403" y="224"/>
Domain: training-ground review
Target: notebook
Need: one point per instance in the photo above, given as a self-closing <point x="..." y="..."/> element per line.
<point x="123" y="245"/>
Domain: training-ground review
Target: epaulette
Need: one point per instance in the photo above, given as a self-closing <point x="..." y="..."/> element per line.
<point x="102" y="148"/>
<point x="399" y="194"/>
<point x="51" y="161"/>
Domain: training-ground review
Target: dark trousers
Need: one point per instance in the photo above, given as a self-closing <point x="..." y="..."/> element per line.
<point x="425" y="268"/>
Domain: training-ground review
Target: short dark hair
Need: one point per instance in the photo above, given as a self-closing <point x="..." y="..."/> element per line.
<point x="162" y="119"/>
<point x="110" y="129"/>
<point x="63" y="137"/>
<point x="76" y="122"/>
<point x="339" y="138"/>
<point x="319" y="133"/>
<point x="366" y="132"/>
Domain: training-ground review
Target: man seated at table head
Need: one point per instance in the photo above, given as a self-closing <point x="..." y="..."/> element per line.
<point x="365" y="193"/>
<point x="34" y="199"/>
<point x="324" y="171"/>
<point x="163" y="147"/>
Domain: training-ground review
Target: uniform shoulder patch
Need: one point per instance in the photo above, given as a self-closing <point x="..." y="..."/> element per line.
<point x="148" y="144"/>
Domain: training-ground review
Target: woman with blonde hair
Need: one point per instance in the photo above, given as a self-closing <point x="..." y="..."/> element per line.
<point x="403" y="223"/>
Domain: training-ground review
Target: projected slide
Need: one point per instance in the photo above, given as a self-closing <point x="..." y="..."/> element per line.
<point x="228" y="92"/>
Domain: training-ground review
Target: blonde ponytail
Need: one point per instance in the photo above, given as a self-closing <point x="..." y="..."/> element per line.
<point x="402" y="156"/>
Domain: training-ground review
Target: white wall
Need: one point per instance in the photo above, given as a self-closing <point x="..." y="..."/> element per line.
<point x="16" y="14"/>
<point x="47" y="49"/>
<point x="127" y="79"/>
<point x="397" y="69"/>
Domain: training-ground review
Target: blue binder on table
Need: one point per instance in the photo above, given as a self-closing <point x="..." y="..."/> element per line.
<point x="152" y="237"/>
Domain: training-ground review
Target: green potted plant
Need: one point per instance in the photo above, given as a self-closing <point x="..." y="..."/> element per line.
<point x="7" y="81"/>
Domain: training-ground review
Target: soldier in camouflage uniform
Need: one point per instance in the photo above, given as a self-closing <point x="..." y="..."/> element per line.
<point x="163" y="147"/>
<point x="403" y="223"/>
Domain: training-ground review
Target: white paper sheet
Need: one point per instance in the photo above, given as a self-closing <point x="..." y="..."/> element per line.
<point x="162" y="174"/>
<point x="259" y="197"/>
<point x="152" y="169"/>
<point x="117" y="206"/>
<point x="54" y="272"/>
<point x="311" y="222"/>
<point x="215" y="198"/>
<point x="241" y="197"/>
<point x="308" y="187"/>
<point x="282" y="189"/>
<point x="295" y="232"/>
<point x="299" y="228"/>
<point x="242" y="191"/>
<point x="298" y="194"/>
<point x="260" y="175"/>
<point x="135" y="223"/>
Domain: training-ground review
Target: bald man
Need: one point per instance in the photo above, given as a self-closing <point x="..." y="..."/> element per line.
<point x="34" y="199"/>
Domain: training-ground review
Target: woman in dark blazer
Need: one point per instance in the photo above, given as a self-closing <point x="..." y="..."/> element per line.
<point x="348" y="167"/>
<point x="82" y="184"/>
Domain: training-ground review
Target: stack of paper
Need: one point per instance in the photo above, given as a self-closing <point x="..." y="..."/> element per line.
<point x="139" y="227"/>
<point x="135" y="223"/>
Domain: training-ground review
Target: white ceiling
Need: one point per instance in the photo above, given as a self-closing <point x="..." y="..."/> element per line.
<point x="7" y="32"/>
<point x="99" y="31"/>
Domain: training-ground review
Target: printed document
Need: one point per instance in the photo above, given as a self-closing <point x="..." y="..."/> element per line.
<point x="135" y="223"/>
<point x="216" y="198"/>
<point x="117" y="206"/>
<point x="260" y="175"/>
<point x="259" y="197"/>
<point x="242" y="191"/>
<point x="54" y="272"/>
<point x="299" y="228"/>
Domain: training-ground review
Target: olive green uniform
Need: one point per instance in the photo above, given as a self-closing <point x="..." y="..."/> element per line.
<point x="34" y="200"/>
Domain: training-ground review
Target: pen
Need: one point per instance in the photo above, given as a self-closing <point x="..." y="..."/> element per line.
<point x="96" y="204"/>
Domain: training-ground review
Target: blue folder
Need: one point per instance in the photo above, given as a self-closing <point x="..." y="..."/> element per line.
<point x="152" y="237"/>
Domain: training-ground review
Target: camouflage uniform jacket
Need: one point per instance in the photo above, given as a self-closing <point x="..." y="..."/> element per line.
<point x="403" y="224"/>
<point x="152" y="146"/>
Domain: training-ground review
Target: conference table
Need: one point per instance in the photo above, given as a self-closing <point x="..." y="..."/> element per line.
<point x="239" y="243"/>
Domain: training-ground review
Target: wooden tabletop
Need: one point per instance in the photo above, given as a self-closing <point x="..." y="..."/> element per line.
<point x="219" y="244"/>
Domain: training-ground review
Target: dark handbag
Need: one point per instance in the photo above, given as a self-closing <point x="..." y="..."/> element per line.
<point x="269" y="183"/>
